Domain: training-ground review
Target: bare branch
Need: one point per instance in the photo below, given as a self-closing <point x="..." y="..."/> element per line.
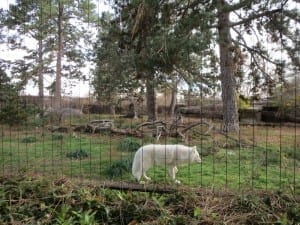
<point x="255" y="16"/>
<point x="252" y="50"/>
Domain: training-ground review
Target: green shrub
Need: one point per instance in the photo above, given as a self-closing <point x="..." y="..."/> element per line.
<point x="13" y="114"/>
<point x="272" y="156"/>
<point x="12" y="110"/>
<point x="118" y="168"/>
<point x="57" y="137"/>
<point x="292" y="153"/>
<point x="77" y="154"/>
<point x="129" y="145"/>
<point x="29" y="139"/>
<point x="243" y="102"/>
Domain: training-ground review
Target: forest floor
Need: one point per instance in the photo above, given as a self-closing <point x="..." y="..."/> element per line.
<point x="39" y="200"/>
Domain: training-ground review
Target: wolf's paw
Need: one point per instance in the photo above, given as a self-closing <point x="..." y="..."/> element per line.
<point x="142" y="182"/>
<point x="147" y="178"/>
<point x="177" y="182"/>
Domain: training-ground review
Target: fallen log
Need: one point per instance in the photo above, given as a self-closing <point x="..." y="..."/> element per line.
<point x="210" y="127"/>
<point x="124" y="186"/>
<point x="59" y="129"/>
<point x="135" y="133"/>
<point x="163" y="188"/>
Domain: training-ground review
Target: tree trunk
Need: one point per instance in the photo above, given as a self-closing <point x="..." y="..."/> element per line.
<point x="173" y="97"/>
<point x="228" y="83"/>
<point x="57" y="91"/>
<point x="151" y="99"/>
<point x="133" y="110"/>
<point x="40" y="73"/>
<point x="112" y="109"/>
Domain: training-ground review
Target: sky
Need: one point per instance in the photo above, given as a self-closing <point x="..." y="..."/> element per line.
<point x="73" y="88"/>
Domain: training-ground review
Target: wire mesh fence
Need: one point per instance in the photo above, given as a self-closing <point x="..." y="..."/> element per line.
<point x="261" y="156"/>
<point x="97" y="139"/>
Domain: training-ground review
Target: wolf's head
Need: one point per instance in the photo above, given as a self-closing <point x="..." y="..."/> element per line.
<point x="195" y="157"/>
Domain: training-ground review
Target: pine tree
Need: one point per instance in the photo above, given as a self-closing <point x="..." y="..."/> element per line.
<point x="115" y="71"/>
<point x="60" y="28"/>
<point x="145" y="36"/>
<point x="162" y="34"/>
<point x="11" y="107"/>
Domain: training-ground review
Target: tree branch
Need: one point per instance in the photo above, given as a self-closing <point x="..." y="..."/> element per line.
<point x="252" y="50"/>
<point x="255" y="16"/>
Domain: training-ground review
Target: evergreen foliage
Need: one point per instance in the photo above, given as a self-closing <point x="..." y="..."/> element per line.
<point x="164" y="39"/>
<point x="12" y="111"/>
<point x="61" y="31"/>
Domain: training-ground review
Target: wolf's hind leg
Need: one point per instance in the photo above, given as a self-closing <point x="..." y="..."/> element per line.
<point x="146" y="177"/>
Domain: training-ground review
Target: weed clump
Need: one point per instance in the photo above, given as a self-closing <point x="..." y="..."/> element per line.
<point x="119" y="168"/>
<point x="77" y="154"/>
<point x="29" y="139"/>
<point x="129" y="144"/>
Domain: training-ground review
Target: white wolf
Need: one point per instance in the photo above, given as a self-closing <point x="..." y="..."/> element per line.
<point x="169" y="155"/>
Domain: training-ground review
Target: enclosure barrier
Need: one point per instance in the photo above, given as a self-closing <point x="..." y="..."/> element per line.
<point x="95" y="139"/>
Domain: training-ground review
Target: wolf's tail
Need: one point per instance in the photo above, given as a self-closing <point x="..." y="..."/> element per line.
<point x="137" y="166"/>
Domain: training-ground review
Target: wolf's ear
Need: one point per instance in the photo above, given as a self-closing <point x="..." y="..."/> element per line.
<point x="195" y="148"/>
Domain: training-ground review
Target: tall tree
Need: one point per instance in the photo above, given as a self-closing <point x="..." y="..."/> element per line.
<point x="114" y="72"/>
<point x="240" y="29"/>
<point x="260" y="22"/>
<point x="230" y="108"/>
<point x="29" y="20"/>
<point x="60" y="28"/>
<point x="146" y="35"/>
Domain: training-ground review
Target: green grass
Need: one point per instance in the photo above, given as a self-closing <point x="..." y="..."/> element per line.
<point x="235" y="171"/>
<point x="260" y="165"/>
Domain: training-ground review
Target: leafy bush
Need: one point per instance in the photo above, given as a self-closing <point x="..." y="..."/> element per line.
<point x="120" y="167"/>
<point x="57" y="137"/>
<point x="77" y="154"/>
<point x="270" y="156"/>
<point x="243" y="102"/>
<point x="292" y="153"/>
<point x="12" y="111"/>
<point x="29" y="139"/>
<point x="129" y="145"/>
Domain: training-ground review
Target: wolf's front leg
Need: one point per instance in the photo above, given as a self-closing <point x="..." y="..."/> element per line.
<point x="172" y="172"/>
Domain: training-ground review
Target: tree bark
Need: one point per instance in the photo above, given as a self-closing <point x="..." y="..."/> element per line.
<point x="57" y="91"/>
<point x="151" y="98"/>
<point x="40" y="73"/>
<point x="173" y="97"/>
<point x="228" y="82"/>
<point x="112" y="109"/>
<point x="133" y="109"/>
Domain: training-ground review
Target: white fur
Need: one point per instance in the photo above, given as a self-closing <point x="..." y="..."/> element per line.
<point x="169" y="155"/>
